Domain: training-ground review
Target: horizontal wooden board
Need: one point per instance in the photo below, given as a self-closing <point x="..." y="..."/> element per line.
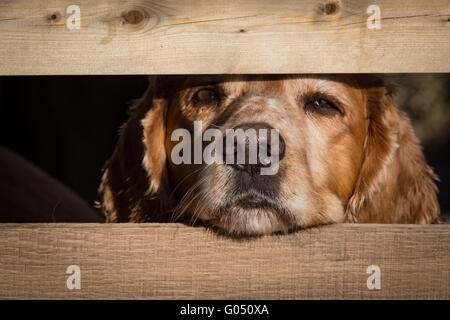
<point x="216" y="37"/>
<point x="172" y="261"/>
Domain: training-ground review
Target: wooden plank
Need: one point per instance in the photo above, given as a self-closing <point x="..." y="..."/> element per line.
<point x="172" y="261"/>
<point x="233" y="36"/>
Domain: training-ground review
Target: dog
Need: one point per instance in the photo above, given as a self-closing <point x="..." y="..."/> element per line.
<point x="345" y="153"/>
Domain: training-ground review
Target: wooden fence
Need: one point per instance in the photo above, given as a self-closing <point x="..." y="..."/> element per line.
<point x="235" y="36"/>
<point x="171" y="261"/>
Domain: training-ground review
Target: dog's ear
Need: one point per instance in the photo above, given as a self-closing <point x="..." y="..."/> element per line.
<point x="395" y="185"/>
<point x="135" y="186"/>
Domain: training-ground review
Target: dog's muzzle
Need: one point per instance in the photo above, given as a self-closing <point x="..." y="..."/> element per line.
<point x="254" y="147"/>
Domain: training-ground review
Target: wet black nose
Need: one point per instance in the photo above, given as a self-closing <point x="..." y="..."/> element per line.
<point x="248" y="144"/>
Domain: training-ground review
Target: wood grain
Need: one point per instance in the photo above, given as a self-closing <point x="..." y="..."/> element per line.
<point x="172" y="261"/>
<point x="214" y="37"/>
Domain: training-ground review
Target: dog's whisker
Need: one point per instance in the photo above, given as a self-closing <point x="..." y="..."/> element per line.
<point x="198" y="210"/>
<point x="185" y="201"/>
<point x="186" y="206"/>
<point x="184" y="179"/>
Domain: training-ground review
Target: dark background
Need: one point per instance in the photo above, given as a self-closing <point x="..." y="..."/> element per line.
<point x="67" y="125"/>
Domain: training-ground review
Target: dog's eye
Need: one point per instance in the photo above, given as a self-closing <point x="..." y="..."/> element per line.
<point x="206" y="96"/>
<point x="322" y="106"/>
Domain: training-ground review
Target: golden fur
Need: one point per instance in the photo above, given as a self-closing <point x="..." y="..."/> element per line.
<point x="361" y="164"/>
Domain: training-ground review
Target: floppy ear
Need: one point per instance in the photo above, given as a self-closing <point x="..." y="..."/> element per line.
<point x="395" y="185"/>
<point x="135" y="186"/>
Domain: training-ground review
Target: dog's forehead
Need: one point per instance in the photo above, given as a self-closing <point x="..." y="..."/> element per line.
<point x="272" y="82"/>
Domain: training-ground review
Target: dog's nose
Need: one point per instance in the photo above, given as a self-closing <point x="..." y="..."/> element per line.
<point x="246" y="147"/>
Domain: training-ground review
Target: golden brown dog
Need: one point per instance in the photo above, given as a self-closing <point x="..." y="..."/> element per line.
<point x="347" y="154"/>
